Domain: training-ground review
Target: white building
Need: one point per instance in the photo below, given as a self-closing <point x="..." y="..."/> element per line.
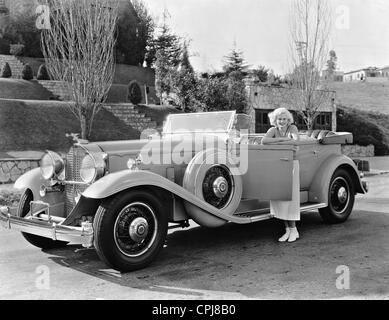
<point x="385" y="72"/>
<point x="362" y="74"/>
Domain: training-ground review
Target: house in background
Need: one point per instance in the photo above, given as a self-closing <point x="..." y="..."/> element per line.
<point x="263" y="99"/>
<point x="366" y="74"/>
<point x="385" y="72"/>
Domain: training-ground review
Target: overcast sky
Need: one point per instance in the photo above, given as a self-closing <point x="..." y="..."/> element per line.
<point x="360" y="35"/>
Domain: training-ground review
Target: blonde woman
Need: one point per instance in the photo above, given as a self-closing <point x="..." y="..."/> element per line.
<point x="284" y="130"/>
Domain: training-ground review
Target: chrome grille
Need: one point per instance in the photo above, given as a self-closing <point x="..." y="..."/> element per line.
<point x="73" y="165"/>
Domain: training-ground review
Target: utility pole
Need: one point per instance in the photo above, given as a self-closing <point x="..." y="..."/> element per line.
<point x="301" y="45"/>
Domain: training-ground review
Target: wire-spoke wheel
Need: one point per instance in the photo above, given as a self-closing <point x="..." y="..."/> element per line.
<point x="341" y="196"/>
<point x="130" y="230"/>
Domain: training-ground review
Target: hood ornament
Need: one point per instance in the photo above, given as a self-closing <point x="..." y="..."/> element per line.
<point x="76" y="139"/>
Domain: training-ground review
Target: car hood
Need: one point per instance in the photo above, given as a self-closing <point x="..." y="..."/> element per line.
<point x="166" y="144"/>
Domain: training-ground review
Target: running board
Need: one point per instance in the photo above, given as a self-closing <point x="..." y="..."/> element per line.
<point x="312" y="206"/>
<point x="264" y="214"/>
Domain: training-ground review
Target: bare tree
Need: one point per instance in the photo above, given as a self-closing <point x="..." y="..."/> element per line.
<point x="78" y="49"/>
<point x="309" y="35"/>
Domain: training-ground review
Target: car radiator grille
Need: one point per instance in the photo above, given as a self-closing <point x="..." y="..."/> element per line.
<point x="73" y="165"/>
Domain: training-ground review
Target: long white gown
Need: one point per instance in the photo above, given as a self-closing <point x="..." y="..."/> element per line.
<point x="289" y="210"/>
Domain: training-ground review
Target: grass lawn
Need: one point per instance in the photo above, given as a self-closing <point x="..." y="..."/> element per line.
<point x="363" y="96"/>
<point x="23" y="89"/>
<point x="41" y="125"/>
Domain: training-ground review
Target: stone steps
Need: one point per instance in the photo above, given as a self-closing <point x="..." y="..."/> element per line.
<point x="132" y="117"/>
<point x="15" y="64"/>
<point x="57" y="89"/>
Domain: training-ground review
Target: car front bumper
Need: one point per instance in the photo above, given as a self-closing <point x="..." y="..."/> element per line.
<point x="48" y="229"/>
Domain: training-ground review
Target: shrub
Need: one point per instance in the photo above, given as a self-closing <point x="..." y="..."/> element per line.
<point x="9" y="198"/>
<point x="4" y="46"/>
<point x="364" y="128"/>
<point x="134" y="93"/>
<point x="42" y="73"/>
<point x="27" y="73"/>
<point x="6" y="71"/>
<point x="16" y="49"/>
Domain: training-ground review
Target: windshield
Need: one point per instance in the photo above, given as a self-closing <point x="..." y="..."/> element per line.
<point x="220" y="121"/>
<point x="242" y="122"/>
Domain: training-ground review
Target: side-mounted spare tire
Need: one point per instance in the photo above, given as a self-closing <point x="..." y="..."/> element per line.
<point x="213" y="177"/>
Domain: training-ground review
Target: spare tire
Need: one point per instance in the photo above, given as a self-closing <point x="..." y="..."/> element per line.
<point x="209" y="176"/>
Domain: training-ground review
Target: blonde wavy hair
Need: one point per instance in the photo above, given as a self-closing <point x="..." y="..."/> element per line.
<point x="277" y="112"/>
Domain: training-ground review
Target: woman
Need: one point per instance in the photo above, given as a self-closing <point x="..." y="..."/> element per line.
<point x="283" y="130"/>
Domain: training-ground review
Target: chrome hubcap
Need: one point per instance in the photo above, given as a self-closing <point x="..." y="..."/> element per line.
<point x="138" y="229"/>
<point x="135" y="229"/>
<point x="220" y="187"/>
<point x="342" y="195"/>
<point x="339" y="195"/>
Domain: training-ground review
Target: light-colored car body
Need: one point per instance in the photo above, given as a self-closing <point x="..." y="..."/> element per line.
<point x="204" y="167"/>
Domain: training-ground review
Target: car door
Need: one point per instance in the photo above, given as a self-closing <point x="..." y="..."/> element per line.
<point x="269" y="173"/>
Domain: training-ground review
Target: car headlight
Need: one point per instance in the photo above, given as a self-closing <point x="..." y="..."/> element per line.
<point x="51" y="165"/>
<point x="92" y="167"/>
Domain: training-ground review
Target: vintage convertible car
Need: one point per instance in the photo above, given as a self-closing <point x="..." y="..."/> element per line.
<point x="122" y="196"/>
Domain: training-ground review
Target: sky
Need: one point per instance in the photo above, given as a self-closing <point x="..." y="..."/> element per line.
<point x="260" y="29"/>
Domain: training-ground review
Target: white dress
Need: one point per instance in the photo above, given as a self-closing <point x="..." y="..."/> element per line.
<point x="289" y="210"/>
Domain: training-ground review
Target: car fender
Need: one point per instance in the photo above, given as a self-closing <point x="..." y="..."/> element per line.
<point x="33" y="180"/>
<point x="318" y="191"/>
<point x="122" y="180"/>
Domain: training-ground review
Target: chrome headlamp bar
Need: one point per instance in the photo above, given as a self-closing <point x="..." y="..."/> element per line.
<point x="93" y="166"/>
<point x="52" y="166"/>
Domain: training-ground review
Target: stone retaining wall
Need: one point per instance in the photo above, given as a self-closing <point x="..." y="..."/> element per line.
<point x="11" y="169"/>
<point x="354" y="151"/>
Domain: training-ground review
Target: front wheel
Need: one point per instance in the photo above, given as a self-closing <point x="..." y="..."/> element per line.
<point x="341" y="196"/>
<point x="130" y="230"/>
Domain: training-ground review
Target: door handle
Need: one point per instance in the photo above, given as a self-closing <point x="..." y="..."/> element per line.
<point x="284" y="159"/>
<point x="315" y="152"/>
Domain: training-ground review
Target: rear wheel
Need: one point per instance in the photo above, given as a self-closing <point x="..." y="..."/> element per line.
<point x="341" y="196"/>
<point x="37" y="241"/>
<point x="130" y="230"/>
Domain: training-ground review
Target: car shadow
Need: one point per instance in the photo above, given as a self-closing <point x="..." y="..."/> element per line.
<point x="249" y="261"/>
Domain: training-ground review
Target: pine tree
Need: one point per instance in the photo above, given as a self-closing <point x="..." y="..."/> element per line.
<point x="167" y="43"/>
<point x="168" y="50"/>
<point x="235" y="62"/>
<point x="184" y="81"/>
<point x="331" y="63"/>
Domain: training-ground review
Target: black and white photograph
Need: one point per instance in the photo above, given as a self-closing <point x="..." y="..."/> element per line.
<point x="194" y="154"/>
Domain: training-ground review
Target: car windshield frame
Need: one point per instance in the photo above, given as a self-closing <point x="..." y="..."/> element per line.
<point x="184" y="123"/>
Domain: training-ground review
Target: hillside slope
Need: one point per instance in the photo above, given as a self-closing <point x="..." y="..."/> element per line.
<point x="41" y="125"/>
<point x="23" y="89"/>
<point x="363" y="96"/>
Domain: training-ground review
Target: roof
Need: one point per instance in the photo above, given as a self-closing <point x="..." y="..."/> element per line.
<point x="364" y="69"/>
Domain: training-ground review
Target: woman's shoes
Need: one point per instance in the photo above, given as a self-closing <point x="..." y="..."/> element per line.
<point x="285" y="236"/>
<point x="294" y="235"/>
<point x="291" y="235"/>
